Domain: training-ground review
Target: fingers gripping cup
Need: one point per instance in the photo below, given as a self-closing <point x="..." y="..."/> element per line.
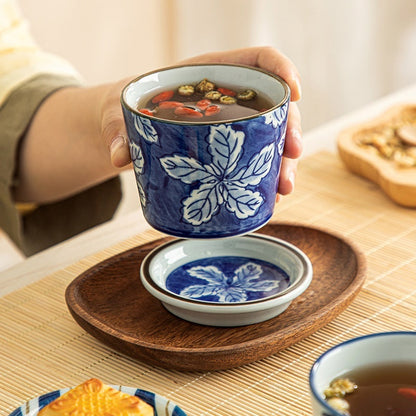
<point x="206" y="143"/>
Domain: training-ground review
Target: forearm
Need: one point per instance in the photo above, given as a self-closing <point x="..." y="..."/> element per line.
<point x="63" y="151"/>
<point x="77" y="138"/>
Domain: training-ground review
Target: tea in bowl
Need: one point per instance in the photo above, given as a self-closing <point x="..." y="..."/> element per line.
<point x="370" y="375"/>
<point x="206" y="143"/>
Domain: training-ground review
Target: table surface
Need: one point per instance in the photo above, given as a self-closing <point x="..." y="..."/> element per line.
<point x="132" y="223"/>
<point x="43" y="349"/>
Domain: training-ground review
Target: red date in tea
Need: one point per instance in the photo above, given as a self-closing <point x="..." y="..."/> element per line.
<point x="146" y="111"/>
<point x="170" y="104"/>
<point x="212" y="110"/>
<point x="163" y="96"/>
<point x="192" y="102"/>
<point x="203" y="104"/>
<point x="188" y="112"/>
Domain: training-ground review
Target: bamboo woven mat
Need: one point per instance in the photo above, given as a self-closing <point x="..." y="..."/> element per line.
<point x="43" y="349"/>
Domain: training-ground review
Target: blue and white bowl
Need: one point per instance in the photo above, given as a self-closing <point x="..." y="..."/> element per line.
<point x="207" y="179"/>
<point x="368" y="350"/>
<point x="226" y="282"/>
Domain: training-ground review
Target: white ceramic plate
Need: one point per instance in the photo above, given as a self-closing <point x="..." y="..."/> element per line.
<point x="162" y="406"/>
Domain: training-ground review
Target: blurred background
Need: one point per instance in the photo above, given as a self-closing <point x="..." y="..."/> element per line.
<point x="347" y="52"/>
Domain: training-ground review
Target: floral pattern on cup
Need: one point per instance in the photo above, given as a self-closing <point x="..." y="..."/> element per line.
<point x="276" y="119"/>
<point x="138" y="163"/>
<point x="223" y="182"/>
<point x="145" y="128"/>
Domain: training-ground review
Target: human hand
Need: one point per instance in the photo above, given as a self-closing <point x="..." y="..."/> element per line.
<point x="115" y="135"/>
<point x="273" y="61"/>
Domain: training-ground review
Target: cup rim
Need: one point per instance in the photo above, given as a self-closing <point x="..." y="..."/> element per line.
<point x="133" y="110"/>
<point x="312" y="373"/>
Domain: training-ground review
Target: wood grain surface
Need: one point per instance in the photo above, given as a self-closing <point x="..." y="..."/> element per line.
<point x="110" y="303"/>
<point x="399" y="184"/>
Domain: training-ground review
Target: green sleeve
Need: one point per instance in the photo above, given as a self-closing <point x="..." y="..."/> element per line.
<point x="47" y="224"/>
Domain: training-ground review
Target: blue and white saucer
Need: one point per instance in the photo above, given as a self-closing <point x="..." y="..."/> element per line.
<point x="226" y="282"/>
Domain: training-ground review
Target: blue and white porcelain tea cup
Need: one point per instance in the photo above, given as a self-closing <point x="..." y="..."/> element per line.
<point x="207" y="179"/>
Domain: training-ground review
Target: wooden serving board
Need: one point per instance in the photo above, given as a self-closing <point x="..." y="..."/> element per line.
<point x="110" y="303"/>
<point x="397" y="183"/>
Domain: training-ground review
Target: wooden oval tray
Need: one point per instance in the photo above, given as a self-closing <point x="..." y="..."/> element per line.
<point x="110" y="303"/>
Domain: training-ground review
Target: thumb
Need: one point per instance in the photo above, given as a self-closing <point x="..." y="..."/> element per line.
<point x="113" y="129"/>
<point x="119" y="151"/>
<point x="115" y="136"/>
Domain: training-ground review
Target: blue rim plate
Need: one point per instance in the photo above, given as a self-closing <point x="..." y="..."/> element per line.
<point x="161" y="405"/>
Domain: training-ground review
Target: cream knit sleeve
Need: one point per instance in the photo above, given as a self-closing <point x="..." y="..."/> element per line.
<point x="20" y="58"/>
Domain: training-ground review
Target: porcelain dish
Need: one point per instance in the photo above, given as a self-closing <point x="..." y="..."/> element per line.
<point x="161" y="405"/>
<point x="368" y="350"/>
<point x="226" y="282"/>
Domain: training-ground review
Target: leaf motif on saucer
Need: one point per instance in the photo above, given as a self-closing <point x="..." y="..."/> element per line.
<point x="228" y="289"/>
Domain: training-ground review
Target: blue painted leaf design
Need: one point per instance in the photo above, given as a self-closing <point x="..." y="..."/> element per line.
<point x="186" y="169"/>
<point x="228" y="288"/>
<point x="219" y="189"/>
<point x="145" y="128"/>
<point x="137" y="157"/>
<point x="197" y="291"/>
<point x="142" y="195"/>
<point x="232" y="294"/>
<point x="262" y="286"/>
<point x="217" y="184"/>
<point x="242" y="202"/>
<point x="258" y="167"/>
<point x="225" y="146"/>
<point x="201" y="205"/>
<point x="281" y="145"/>
<point x="209" y="273"/>
<point x="247" y="272"/>
<point x="276" y="117"/>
